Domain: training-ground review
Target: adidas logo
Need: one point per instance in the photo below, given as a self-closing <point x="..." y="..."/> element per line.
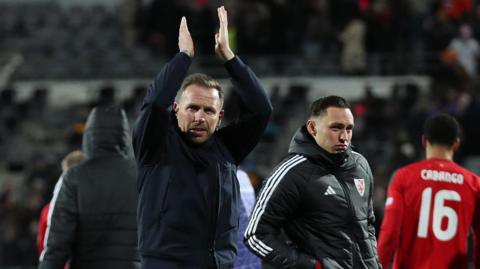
<point x="329" y="191"/>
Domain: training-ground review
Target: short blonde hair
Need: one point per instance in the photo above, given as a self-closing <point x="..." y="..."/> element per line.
<point x="72" y="158"/>
<point x="203" y="80"/>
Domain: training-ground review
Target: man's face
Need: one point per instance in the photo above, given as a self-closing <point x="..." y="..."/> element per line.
<point x="199" y="111"/>
<point x="333" y="130"/>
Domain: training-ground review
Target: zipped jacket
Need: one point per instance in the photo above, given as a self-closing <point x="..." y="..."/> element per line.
<point x="323" y="202"/>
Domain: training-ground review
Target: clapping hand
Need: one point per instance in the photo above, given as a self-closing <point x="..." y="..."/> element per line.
<point x="185" y="43"/>
<point x="222" y="46"/>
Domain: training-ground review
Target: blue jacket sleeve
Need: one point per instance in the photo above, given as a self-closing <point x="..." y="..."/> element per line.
<point x="241" y="136"/>
<point x="152" y="125"/>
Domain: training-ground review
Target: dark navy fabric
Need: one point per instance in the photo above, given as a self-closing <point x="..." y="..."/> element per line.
<point x="173" y="208"/>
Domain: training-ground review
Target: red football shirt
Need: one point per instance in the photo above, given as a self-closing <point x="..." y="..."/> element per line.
<point x="42" y="227"/>
<point x="429" y="210"/>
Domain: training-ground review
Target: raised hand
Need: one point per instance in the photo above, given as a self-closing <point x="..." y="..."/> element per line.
<point x="222" y="46"/>
<point x="185" y="43"/>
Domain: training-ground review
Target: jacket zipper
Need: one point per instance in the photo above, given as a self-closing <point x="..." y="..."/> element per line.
<point x="352" y="219"/>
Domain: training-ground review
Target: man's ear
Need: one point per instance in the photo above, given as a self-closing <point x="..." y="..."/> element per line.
<point x="221" y="114"/>
<point x="424" y="141"/>
<point x="456" y="145"/>
<point x="311" y="127"/>
<point x="176" y="107"/>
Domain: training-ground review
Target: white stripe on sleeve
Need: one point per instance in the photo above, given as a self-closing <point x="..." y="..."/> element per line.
<point x="272" y="183"/>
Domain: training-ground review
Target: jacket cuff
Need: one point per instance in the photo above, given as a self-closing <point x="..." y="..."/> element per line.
<point x="183" y="56"/>
<point x="233" y="64"/>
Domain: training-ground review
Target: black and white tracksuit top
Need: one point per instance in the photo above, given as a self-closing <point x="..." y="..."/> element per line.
<point x="323" y="202"/>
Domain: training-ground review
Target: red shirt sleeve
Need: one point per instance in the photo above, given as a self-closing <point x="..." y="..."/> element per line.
<point x="476" y="229"/>
<point x="393" y="216"/>
<point x="42" y="227"/>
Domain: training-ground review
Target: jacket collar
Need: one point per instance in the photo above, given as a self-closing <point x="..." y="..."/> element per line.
<point x="200" y="154"/>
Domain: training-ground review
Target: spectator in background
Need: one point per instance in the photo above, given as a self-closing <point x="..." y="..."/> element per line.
<point x="439" y="30"/>
<point x="469" y="118"/>
<point x="456" y="9"/>
<point x="467" y="49"/>
<point x="431" y="206"/>
<point x="253" y="30"/>
<point x="321" y="195"/>
<point x="353" y="58"/>
<point x="245" y="259"/>
<point x="129" y="15"/>
<point x="133" y="103"/>
<point x="73" y="158"/>
<point x="474" y="21"/>
<point x="92" y="220"/>
<point x="418" y="14"/>
<point x="106" y="96"/>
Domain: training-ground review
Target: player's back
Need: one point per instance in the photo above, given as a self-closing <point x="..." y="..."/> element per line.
<point x="439" y="200"/>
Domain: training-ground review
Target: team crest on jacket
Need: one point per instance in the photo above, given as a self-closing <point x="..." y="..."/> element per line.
<point x="360" y="184"/>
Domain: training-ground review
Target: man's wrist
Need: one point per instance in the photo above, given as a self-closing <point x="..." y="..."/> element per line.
<point x="189" y="53"/>
<point x="229" y="55"/>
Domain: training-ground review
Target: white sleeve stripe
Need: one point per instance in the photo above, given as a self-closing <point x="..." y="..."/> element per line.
<point x="258" y="245"/>
<point x="270" y="181"/>
<point x="262" y="244"/>
<point x="270" y="192"/>
<point x="270" y="187"/>
<point x="56" y="190"/>
<point x="260" y="251"/>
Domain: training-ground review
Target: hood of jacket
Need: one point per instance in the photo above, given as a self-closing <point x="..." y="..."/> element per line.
<point x="106" y="133"/>
<point x="304" y="144"/>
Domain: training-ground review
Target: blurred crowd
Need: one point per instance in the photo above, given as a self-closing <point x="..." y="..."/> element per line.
<point x="373" y="37"/>
<point x="396" y="36"/>
<point x="432" y="37"/>
<point x="34" y="137"/>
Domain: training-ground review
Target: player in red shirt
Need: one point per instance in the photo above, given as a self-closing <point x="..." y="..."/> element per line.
<point x="431" y="206"/>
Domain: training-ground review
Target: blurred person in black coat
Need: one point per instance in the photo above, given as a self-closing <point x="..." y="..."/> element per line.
<point x="92" y="218"/>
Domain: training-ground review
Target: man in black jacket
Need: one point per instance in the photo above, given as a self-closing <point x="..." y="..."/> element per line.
<point x="321" y="195"/>
<point x="92" y="216"/>
<point x="189" y="196"/>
